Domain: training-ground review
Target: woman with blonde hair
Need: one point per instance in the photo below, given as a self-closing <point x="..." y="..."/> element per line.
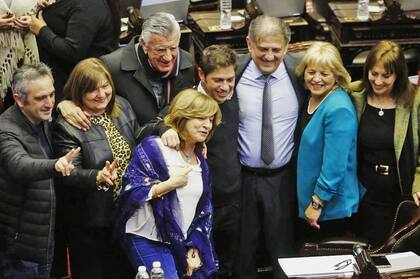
<point x="88" y="193"/>
<point x="387" y="106"/>
<point x="327" y="185"/>
<point x="165" y="204"/>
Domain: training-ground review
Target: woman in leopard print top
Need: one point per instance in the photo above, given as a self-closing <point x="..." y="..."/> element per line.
<point x="88" y="193"/>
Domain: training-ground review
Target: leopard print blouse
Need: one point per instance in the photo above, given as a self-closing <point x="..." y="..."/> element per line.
<point x="120" y="148"/>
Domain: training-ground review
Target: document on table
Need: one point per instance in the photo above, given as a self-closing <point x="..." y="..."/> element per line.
<point x="322" y="266"/>
<point x="400" y="262"/>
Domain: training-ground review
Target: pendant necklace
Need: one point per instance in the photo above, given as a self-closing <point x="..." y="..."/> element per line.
<point x="188" y="158"/>
<point x="381" y="112"/>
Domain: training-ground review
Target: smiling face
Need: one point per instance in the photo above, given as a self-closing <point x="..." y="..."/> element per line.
<point x="319" y="80"/>
<point x="40" y="100"/>
<point x="95" y="102"/>
<point x="381" y="81"/>
<point x="198" y="129"/>
<point x="161" y="51"/>
<point x="219" y="83"/>
<point x="267" y="52"/>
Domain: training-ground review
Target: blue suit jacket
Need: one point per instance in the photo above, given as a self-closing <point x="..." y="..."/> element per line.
<point x="327" y="158"/>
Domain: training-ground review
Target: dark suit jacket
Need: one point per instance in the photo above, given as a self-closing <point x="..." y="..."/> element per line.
<point x="131" y="81"/>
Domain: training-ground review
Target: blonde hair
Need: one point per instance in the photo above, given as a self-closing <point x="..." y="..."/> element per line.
<point x="325" y="54"/>
<point x="189" y="104"/>
<point x="85" y="77"/>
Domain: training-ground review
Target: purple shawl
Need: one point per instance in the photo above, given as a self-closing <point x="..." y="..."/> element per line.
<point x="146" y="168"/>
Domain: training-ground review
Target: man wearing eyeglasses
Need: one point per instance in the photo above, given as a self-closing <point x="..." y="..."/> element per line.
<point x="148" y="72"/>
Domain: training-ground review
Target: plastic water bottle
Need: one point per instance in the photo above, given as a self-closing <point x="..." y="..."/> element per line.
<point x="142" y="273"/>
<point x="363" y="10"/>
<point x="225" y="14"/>
<point x="157" y="271"/>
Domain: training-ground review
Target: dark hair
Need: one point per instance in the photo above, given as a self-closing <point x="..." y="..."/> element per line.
<point x="114" y="6"/>
<point x="391" y="56"/>
<point x="217" y="56"/>
<point x="85" y="77"/>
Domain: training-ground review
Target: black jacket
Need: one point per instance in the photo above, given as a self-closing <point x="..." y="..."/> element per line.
<point x="76" y="29"/>
<point x="84" y="205"/>
<point x="131" y="81"/>
<point x="27" y="198"/>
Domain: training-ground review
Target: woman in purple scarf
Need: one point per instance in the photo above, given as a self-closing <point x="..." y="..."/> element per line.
<point x="165" y="204"/>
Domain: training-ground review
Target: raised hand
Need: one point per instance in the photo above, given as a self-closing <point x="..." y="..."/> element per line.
<point x="180" y="177"/>
<point x="108" y="174"/>
<point x="65" y="164"/>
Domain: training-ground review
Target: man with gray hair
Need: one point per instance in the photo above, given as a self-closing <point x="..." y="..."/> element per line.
<point x="148" y="72"/>
<point x="269" y="96"/>
<point x="27" y="168"/>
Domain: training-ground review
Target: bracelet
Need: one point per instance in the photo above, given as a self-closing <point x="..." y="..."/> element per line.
<point x="315" y="204"/>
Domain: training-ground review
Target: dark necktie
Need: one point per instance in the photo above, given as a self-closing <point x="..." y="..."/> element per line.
<point x="267" y="144"/>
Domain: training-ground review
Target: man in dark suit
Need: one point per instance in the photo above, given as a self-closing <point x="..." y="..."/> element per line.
<point x="269" y="96"/>
<point x="148" y="72"/>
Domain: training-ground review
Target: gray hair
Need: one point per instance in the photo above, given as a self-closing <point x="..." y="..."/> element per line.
<point x="26" y="74"/>
<point x="163" y="24"/>
<point x="265" y="25"/>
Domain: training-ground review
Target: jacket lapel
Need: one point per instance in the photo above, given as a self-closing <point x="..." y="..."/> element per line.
<point x="402" y="117"/>
<point x="130" y="62"/>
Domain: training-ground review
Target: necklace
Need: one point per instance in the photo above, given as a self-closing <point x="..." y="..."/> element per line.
<point x="309" y="103"/>
<point x="388" y="103"/>
<point x="188" y="158"/>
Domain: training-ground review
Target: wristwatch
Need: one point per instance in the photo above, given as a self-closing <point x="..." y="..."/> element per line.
<point x="315" y="205"/>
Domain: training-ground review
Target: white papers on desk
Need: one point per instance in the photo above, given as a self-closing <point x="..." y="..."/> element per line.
<point x="322" y="266"/>
<point x="401" y="262"/>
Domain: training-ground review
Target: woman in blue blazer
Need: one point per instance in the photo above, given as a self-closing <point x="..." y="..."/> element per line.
<point x="327" y="185"/>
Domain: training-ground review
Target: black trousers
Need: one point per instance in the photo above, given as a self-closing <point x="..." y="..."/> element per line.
<point x="269" y="208"/>
<point x="226" y="238"/>
<point x="92" y="255"/>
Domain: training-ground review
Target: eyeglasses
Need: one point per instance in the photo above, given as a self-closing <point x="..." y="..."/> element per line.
<point x="343" y="264"/>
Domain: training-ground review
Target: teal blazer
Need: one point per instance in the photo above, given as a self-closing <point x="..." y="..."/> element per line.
<point x="326" y="163"/>
<point x="402" y="120"/>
